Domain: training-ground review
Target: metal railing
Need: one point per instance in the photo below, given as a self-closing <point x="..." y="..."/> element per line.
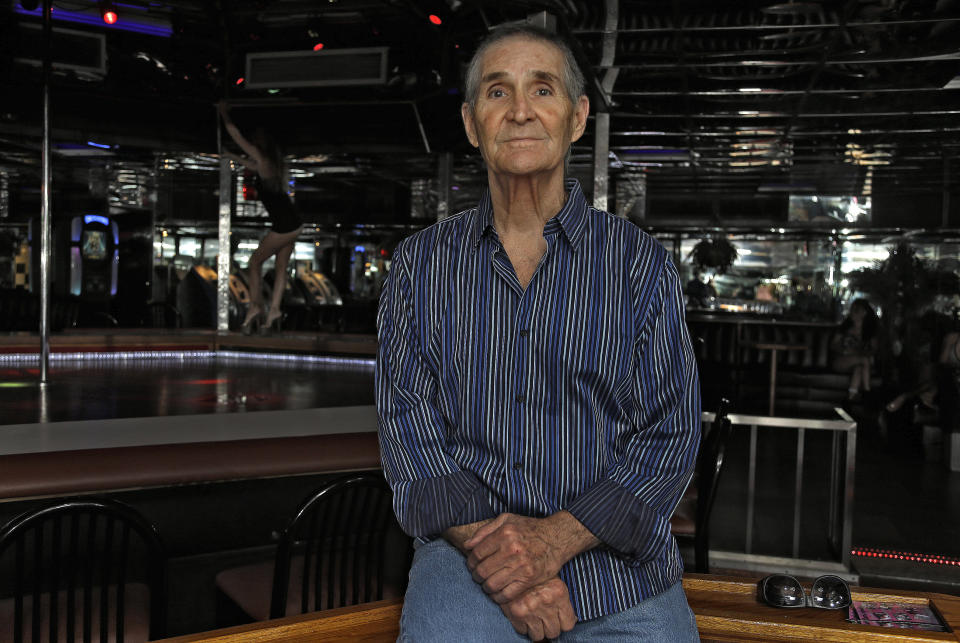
<point x="842" y="466"/>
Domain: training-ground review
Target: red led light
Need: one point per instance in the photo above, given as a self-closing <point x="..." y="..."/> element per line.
<point x="110" y="17"/>
<point x="240" y="80"/>
<point x="435" y="19"/>
<point x="938" y="559"/>
<point x="318" y="46"/>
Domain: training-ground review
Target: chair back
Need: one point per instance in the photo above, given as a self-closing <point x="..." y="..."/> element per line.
<point x="709" y="467"/>
<point x="342" y="533"/>
<point x="73" y="570"/>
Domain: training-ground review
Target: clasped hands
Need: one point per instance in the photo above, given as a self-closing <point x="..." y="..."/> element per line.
<point x="517" y="560"/>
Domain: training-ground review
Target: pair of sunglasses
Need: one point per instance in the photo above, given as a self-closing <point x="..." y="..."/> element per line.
<point x="781" y="590"/>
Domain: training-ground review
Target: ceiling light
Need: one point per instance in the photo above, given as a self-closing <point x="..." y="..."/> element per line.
<point x="751" y="89"/>
<point x="318" y="46"/>
<point x="108" y="12"/>
<point x="435" y="19"/>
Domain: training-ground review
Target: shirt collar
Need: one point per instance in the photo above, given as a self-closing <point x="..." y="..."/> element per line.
<point x="572" y="218"/>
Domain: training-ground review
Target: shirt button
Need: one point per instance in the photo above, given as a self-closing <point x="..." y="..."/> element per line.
<point x="520" y="399"/>
<point x="517" y="466"/>
<point x="524" y="332"/>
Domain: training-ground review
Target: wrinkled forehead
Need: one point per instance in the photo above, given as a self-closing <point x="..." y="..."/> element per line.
<point x="549" y="57"/>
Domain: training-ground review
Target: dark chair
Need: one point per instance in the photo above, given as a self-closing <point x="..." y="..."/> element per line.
<point x="339" y="549"/>
<point x="691" y="520"/>
<point x="82" y="570"/>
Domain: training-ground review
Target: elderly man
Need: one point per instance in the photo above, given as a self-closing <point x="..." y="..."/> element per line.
<point x="537" y="392"/>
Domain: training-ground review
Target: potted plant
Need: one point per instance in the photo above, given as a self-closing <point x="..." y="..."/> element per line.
<point x="715" y="255"/>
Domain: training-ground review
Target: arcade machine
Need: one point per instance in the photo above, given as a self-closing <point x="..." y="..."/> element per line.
<point x="197" y="298"/>
<point x="321" y="296"/>
<point x="86" y="260"/>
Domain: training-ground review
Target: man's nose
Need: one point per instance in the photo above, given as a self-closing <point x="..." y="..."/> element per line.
<point x="521" y="110"/>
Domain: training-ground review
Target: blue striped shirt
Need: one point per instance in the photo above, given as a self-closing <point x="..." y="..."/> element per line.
<point x="579" y="393"/>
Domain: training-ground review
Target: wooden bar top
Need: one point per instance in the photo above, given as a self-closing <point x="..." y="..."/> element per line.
<point x="726" y="608"/>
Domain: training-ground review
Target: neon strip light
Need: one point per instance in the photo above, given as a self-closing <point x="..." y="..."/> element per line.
<point x="893" y="554"/>
<point x="187" y="356"/>
<point x="102" y="146"/>
<point x="305" y="359"/>
<point x="124" y="24"/>
<point x="96" y="218"/>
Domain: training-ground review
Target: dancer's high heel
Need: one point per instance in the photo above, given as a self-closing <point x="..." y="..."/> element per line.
<point x="271" y="324"/>
<point x="253" y="321"/>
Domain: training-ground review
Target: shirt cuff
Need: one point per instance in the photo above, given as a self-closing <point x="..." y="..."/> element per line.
<point x="623" y="522"/>
<point x="437" y="504"/>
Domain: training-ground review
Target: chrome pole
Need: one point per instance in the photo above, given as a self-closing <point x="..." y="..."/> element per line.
<point x="45" y="218"/>
<point x="601" y="161"/>
<point x="223" y="239"/>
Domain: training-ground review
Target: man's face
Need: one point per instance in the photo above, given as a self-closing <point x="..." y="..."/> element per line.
<point x="523" y="121"/>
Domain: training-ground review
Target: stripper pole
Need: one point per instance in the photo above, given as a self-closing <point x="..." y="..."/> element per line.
<point x="45" y="216"/>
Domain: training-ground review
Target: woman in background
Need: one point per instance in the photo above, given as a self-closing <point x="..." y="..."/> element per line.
<point x="854" y="346"/>
<point x="263" y="156"/>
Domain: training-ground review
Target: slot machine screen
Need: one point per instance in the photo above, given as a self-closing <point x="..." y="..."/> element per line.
<point x="94" y="245"/>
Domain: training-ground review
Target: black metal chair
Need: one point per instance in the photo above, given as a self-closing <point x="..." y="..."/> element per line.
<point x="691" y="520"/>
<point x="339" y="549"/>
<point x="82" y="570"/>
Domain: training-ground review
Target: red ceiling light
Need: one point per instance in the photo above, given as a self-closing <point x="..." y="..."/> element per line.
<point x="240" y="80"/>
<point x="435" y="19"/>
<point x="318" y="46"/>
<point x="108" y="12"/>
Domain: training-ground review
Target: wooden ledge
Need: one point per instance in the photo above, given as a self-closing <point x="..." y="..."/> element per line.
<point x="371" y="622"/>
<point x="725" y="606"/>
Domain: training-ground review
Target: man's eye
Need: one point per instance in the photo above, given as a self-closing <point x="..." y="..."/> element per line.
<point x="496" y="93"/>
<point x="544" y="91"/>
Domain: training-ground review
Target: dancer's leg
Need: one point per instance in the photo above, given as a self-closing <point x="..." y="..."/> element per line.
<point x="279" y="281"/>
<point x="270" y="245"/>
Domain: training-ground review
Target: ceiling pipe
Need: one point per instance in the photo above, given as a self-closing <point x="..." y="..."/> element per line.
<point x="763" y="27"/>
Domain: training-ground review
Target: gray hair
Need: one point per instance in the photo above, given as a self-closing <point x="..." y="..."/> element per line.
<point x="572" y="77"/>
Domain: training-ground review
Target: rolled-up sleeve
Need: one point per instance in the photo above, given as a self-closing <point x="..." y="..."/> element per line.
<point x="629" y="509"/>
<point x="430" y="491"/>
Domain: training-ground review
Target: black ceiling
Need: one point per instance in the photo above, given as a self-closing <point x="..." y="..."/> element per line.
<point x="707" y="99"/>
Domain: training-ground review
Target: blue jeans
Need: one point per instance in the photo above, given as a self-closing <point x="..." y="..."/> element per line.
<point x="443" y="603"/>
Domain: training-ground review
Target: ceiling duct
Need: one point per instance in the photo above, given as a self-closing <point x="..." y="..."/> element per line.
<point x="79" y="51"/>
<point x="326" y="68"/>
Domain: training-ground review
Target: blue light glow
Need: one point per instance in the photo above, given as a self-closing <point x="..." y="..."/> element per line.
<point x="100" y="145"/>
<point x="359" y="249"/>
<point x="95" y="20"/>
<point x="96" y="218"/>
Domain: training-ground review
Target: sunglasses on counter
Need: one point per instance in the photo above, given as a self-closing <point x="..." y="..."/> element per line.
<point x="781" y="590"/>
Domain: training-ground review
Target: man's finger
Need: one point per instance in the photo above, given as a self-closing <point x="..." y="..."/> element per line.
<point x="496" y="581"/>
<point x="484" y="531"/>
<point x="518" y="625"/>
<point x="490" y="545"/>
<point x="535" y="628"/>
<point x="510" y="592"/>
<point x="567" y="618"/>
<point x="551" y="625"/>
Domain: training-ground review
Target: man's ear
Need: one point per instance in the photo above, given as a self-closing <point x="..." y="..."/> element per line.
<point x="580" y="113"/>
<point x="468" y="125"/>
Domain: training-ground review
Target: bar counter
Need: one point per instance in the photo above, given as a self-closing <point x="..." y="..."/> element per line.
<point x="726" y="608"/>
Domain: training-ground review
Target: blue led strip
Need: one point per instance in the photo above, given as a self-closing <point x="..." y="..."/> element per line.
<point x="95" y="20"/>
